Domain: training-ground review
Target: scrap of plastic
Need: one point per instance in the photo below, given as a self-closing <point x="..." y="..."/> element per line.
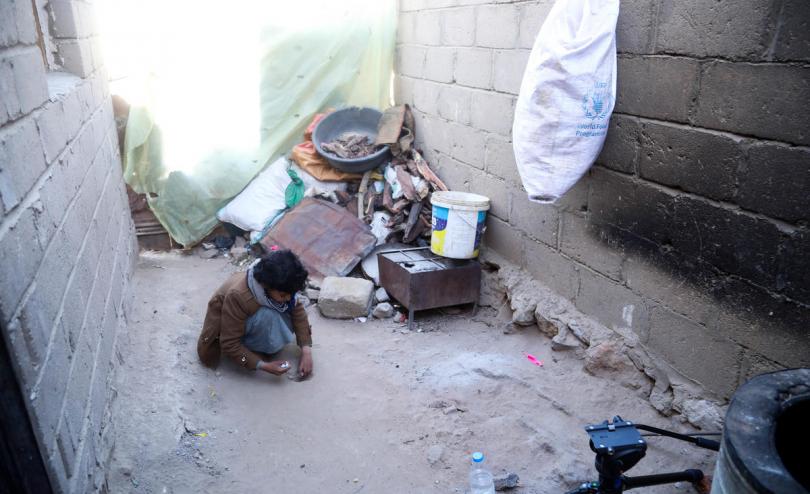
<point x="391" y="178"/>
<point x="201" y="434"/>
<point x="197" y="132"/>
<point x="533" y="359"/>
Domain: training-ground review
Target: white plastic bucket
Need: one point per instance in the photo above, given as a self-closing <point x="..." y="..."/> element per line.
<point x="458" y="223"/>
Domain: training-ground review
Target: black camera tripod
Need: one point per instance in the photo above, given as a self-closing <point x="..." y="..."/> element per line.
<point x="619" y="446"/>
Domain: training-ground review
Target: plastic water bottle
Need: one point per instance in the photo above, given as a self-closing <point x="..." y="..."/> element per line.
<point x="480" y="479"/>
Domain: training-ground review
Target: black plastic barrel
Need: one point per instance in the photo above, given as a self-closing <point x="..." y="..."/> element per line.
<point x="766" y="438"/>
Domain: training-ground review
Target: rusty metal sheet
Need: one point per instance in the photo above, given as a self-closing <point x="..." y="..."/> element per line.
<point x="328" y="239"/>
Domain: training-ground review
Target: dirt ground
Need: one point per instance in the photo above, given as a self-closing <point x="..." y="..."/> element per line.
<point x="387" y="410"/>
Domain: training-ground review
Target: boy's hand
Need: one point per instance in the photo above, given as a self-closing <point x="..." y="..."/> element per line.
<point x="305" y="366"/>
<point x="276" y="367"/>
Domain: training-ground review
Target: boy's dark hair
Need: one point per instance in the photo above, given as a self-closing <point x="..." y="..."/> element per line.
<point x="281" y="270"/>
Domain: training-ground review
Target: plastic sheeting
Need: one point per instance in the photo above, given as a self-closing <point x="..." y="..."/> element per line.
<point x="221" y="89"/>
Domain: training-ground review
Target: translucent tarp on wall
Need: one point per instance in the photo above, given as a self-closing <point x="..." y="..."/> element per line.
<point x="218" y="89"/>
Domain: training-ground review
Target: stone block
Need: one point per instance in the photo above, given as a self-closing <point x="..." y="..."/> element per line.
<point x="434" y="132"/>
<point x="467" y="145"/>
<point x="77" y="56"/>
<point x="439" y="64"/>
<point x="771" y="325"/>
<point x="380" y="295"/>
<point x="734" y="242"/>
<point x="406" y="27"/>
<point x="52" y="130"/>
<point x="754" y="364"/>
<point x="9" y="104"/>
<point x="345" y="298"/>
<point x="497" y="26"/>
<point x="635" y="27"/>
<point x="455" y="103"/>
<point x="531" y="15"/>
<point x="707" y="28"/>
<point x="793" y="39"/>
<point x="665" y="278"/>
<point x="412" y="5"/>
<point x="775" y="181"/>
<point x="508" y="70"/>
<point x="771" y="95"/>
<point x="641" y="209"/>
<point x="694" y="160"/>
<point x="29" y="78"/>
<point x="456" y="175"/>
<point x="794" y="266"/>
<point x="427" y="29"/>
<point x="67" y="20"/>
<point x="20" y="255"/>
<point x="458" y="27"/>
<point x="538" y="221"/>
<point x="612" y="304"/>
<point x="496" y="189"/>
<point x="657" y="87"/>
<point x="8" y="23"/>
<point x="410" y="60"/>
<point x="504" y="239"/>
<point x="499" y="160"/>
<point x="22" y="161"/>
<point x="493" y="112"/>
<point x="708" y="358"/>
<point x="383" y="310"/>
<point x="621" y="149"/>
<point x="426" y="96"/>
<point x="576" y="199"/>
<point x="546" y="265"/>
<point x="473" y="67"/>
<point x="50" y="395"/>
<point x="592" y="244"/>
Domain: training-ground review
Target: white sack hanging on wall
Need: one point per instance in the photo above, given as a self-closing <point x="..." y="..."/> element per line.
<point x="566" y="97"/>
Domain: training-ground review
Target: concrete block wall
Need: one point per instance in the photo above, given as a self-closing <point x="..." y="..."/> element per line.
<point x="692" y="228"/>
<point x="67" y="244"/>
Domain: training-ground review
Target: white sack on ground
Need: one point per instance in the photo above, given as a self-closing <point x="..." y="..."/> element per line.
<point x="566" y="97"/>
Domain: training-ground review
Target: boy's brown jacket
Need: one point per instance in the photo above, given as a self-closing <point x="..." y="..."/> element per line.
<point x="224" y="325"/>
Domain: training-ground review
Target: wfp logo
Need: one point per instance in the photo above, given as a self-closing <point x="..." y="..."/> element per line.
<point x="596" y="101"/>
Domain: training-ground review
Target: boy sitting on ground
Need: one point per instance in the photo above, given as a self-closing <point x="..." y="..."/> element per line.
<point x="257" y="313"/>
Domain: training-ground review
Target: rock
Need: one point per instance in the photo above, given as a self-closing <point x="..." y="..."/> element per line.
<point x="506" y="481"/>
<point x="207" y="253"/>
<point x="345" y="298"/>
<point x="381" y="295"/>
<point x="312" y="293"/>
<point x="523" y="307"/>
<point x="492" y="293"/>
<point x="435" y="453"/>
<point x="564" y="340"/>
<point x="607" y="356"/>
<point x="240" y="243"/>
<point x="239" y="253"/>
<point x="548" y="315"/>
<point x="703" y="414"/>
<point x="383" y="311"/>
<point x="439" y="404"/>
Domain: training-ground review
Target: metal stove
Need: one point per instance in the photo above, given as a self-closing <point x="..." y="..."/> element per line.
<point x="419" y="279"/>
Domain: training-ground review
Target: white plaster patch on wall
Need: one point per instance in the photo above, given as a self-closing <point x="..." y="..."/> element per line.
<point x="627" y="315"/>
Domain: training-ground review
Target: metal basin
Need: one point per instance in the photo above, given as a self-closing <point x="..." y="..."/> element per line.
<point x="359" y="120"/>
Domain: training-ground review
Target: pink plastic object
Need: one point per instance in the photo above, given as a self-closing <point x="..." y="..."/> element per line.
<point x="533" y="359"/>
<point x="275" y="247"/>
